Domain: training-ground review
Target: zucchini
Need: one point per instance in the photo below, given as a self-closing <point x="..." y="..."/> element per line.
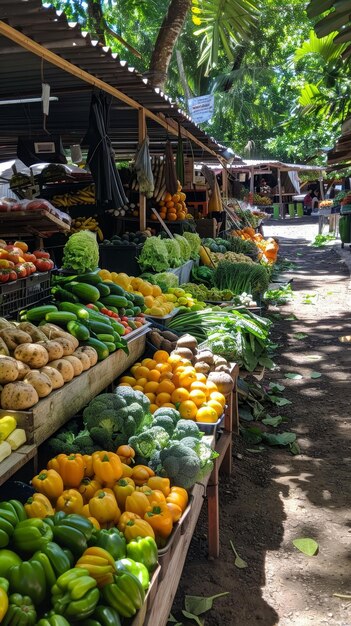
<point x="105" y="338"/>
<point x="103" y="289"/>
<point x="99" y="328"/>
<point x="116" y="290"/>
<point x="64" y="295"/>
<point x="39" y="312"/>
<point x="78" y="330"/>
<point x="111" y="346"/>
<point x="90" y="278"/>
<point x="117" y="301"/>
<point x="86" y="293"/>
<point x="100" y="347"/>
<point x="60" y="317"/>
<point x="80" y="311"/>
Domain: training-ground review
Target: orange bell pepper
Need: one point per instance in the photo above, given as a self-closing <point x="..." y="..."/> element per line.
<point x="88" y="487"/>
<point x="162" y="484"/>
<point x="85" y="512"/>
<point x="141" y="474"/>
<point x="160" y="518"/>
<point x="70" y="501"/>
<point x="70" y="467"/>
<point x="107" y="466"/>
<point x="137" y="502"/>
<point x="103" y="506"/>
<point x="125" y="518"/>
<point x="48" y="482"/>
<point x="126" y="454"/>
<point x="175" y="511"/>
<point x="94" y="522"/>
<point x="88" y="465"/>
<point x="178" y="496"/>
<point x="138" y="528"/>
<point x="122" y="489"/>
<point x="127" y="471"/>
<point x="153" y="495"/>
<point x="38" y="506"/>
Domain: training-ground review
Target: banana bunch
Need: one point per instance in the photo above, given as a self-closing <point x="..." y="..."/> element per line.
<point x="83" y="196"/>
<point x="86" y="223"/>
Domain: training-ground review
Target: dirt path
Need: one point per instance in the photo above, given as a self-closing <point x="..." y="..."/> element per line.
<point x="274" y="497"/>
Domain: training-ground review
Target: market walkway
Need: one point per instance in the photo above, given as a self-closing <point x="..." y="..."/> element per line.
<point x="273" y="497"/>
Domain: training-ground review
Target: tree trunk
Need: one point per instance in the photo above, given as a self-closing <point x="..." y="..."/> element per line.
<point x="169" y="32"/>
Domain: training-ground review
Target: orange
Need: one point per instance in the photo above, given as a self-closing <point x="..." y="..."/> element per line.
<point x="201" y="377"/>
<point x="162" y="398"/>
<point x="151" y="387"/>
<point x="141" y="372"/>
<point x="166" y="376"/>
<point x="141" y="382"/>
<point x="163" y="367"/>
<point x="167" y="197"/>
<point x="171" y="217"/>
<point x="199" y="385"/>
<point x="154" y="375"/>
<point x="216" y="406"/>
<point x="153" y="408"/>
<point x="129" y="380"/>
<point x="180" y="395"/>
<point x="151" y="397"/>
<point x="188" y="410"/>
<point x="197" y="396"/>
<point x="175" y="380"/>
<point x="138" y="388"/>
<point x="211" y="386"/>
<point x="218" y="397"/>
<point x="187" y="377"/>
<point x="206" y="414"/>
<point x="124" y="385"/>
<point x="161" y="356"/>
<point x="149" y="363"/>
<point x="134" y="368"/>
<point x="166" y="386"/>
<point x="175" y="359"/>
<point x="169" y="404"/>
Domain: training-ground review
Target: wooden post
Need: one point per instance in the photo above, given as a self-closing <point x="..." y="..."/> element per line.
<point x="225" y="182"/>
<point x="281" y="208"/>
<point x="142" y="197"/>
<point x="252" y="182"/>
<point x="321" y="187"/>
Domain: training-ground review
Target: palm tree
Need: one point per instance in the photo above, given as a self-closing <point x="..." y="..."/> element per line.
<point x="337" y="21"/>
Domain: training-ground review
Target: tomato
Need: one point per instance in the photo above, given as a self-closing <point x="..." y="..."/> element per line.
<point x="29" y="257"/>
<point x="124" y="318"/>
<point x="41" y="254"/>
<point x="104" y="311"/>
<point x="4" y="276"/>
<point x="30" y="267"/>
<point x="138" y="324"/>
<point x="5" y="264"/>
<point x="12" y="275"/>
<point x="127" y="331"/>
<point x="91" y="306"/>
<point x="124" y="323"/>
<point x="21" y="271"/>
<point x="14" y="250"/>
<point x="44" y="265"/>
<point x="21" y="245"/>
<point x="15" y="258"/>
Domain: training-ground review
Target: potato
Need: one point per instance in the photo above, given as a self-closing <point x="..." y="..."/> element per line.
<point x="54" y="375"/>
<point x="84" y="359"/>
<point x="36" y="334"/>
<point x="8" y="369"/>
<point x="4" y="351"/>
<point x="23" y="370"/>
<point x="5" y="323"/>
<point x="223" y="380"/>
<point x="76" y="364"/>
<point x="202" y="368"/>
<point x="185" y="353"/>
<point x="18" y="396"/>
<point x="205" y="356"/>
<point x="14" y="337"/>
<point x="66" y="344"/>
<point x="187" y="341"/>
<point x="51" y="331"/>
<point x="41" y="383"/>
<point x="64" y="367"/>
<point x="54" y="348"/>
<point x="90" y="352"/>
<point x="33" y="354"/>
<point x="74" y="340"/>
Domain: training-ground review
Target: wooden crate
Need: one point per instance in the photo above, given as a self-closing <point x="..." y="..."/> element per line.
<point x="149" y="599"/>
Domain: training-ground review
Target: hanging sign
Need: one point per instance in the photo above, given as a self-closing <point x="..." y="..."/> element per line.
<point x="201" y="109"/>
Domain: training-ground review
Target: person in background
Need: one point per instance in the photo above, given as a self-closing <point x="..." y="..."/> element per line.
<point x="264" y="187"/>
<point x="315" y="202"/>
<point x="307" y="203"/>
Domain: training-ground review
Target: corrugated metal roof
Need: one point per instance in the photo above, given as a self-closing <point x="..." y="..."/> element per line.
<point x="262" y="164"/>
<point x="21" y="75"/>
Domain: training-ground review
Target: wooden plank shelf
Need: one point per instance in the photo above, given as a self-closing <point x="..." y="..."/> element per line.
<point x="16" y="460"/>
<point x="16" y="223"/>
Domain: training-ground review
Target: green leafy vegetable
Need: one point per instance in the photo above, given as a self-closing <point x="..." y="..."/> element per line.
<point x="241" y="277"/>
<point x="197" y="605"/>
<point x="194" y="242"/>
<point x="154" y="255"/>
<point x="81" y="252"/>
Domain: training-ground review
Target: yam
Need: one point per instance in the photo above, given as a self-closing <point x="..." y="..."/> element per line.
<point x="35" y="355"/>
<point x="185" y="353"/>
<point x="36" y="334"/>
<point x="76" y="364"/>
<point x="54" y="376"/>
<point x="187" y="341"/>
<point x="90" y="352"/>
<point x="205" y="356"/>
<point x="23" y="370"/>
<point x="8" y="370"/>
<point x="84" y="359"/>
<point x="18" y="396"/>
<point x="14" y="337"/>
<point x="202" y="368"/>
<point x="40" y="381"/>
<point x="64" y="367"/>
<point x="66" y="344"/>
<point x="167" y="334"/>
<point x="54" y="349"/>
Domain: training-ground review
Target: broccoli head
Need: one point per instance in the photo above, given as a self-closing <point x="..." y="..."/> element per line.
<point x="144" y="444"/>
<point x="155" y="461"/>
<point x="68" y="442"/>
<point x="130" y="396"/>
<point x="172" y="413"/>
<point x="180" y="464"/>
<point x="165" y="422"/>
<point x="106" y="419"/>
<point x="187" y="428"/>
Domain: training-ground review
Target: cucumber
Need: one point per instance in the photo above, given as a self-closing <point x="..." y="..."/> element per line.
<point x="116" y="290"/>
<point x="132" y="325"/>
<point x="86" y="293"/>
<point x="80" y="311"/>
<point x="136" y="311"/>
<point x="100" y="347"/>
<point x="96" y="315"/>
<point x="99" y="305"/>
<point x="113" y="309"/>
<point x="116" y="337"/>
<point x="117" y="301"/>
<point x="90" y="278"/>
<point x="61" y="318"/>
<point x="39" y="312"/>
<point x="78" y="330"/>
<point x="69" y="286"/>
<point x="117" y="327"/>
<point x="111" y="346"/>
<point x="105" y="338"/>
<point x="129" y="312"/>
<point x="64" y="295"/>
<point x="138" y="300"/>
<point x="103" y="289"/>
<point x="99" y="328"/>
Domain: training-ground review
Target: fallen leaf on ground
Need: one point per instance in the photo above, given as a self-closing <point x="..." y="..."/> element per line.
<point x="316" y="375"/>
<point x="306" y="545"/>
<point x="293" y="376"/>
<point x="239" y="562"/>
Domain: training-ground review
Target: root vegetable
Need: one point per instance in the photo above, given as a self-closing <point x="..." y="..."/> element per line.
<point x="202" y="368"/>
<point x="18" y="396"/>
<point x="76" y="364"/>
<point x="54" y="376"/>
<point x="35" y="333"/>
<point x="224" y="382"/>
<point x="187" y="341"/>
<point x="14" y="337"/>
<point x="64" y="367"/>
<point x="167" y="334"/>
<point x="185" y="353"/>
<point x="33" y="354"/>
<point x="54" y="349"/>
<point x="84" y="359"/>
<point x="8" y="370"/>
<point x="68" y="347"/>
<point x="90" y="352"/>
<point x="23" y="370"/>
<point x="205" y="356"/>
<point x="40" y="381"/>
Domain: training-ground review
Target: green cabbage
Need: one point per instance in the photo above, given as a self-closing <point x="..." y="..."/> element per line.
<point x="194" y="242"/>
<point x="154" y="255"/>
<point x="174" y="254"/>
<point x="81" y="252"/>
<point x="185" y="248"/>
<point x="166" y="280"/>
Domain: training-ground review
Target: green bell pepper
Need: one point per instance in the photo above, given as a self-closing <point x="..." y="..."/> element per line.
<point x="125" y="594"/>
<point x="71" y="538"/>
<point x="44" y="561"/>
<point x="28" y="579"/>
<point x="4" y="584"/>
<point x="143" y="550"/>
<point x="8" y="512"/>
<point x="8" y="559"/>
<point x="111" y="540"/>
<point x="31" y="534"/>
<point x="51" y="619"/>
<point x="77" y="521"/>
<point x="59" y="560"/>
<point x="103" y="616"/>
<point x="75" y="595"/>
<point x="137" y="569"/>
<point x="21" y="611"/>
<point x="19" y="509"/>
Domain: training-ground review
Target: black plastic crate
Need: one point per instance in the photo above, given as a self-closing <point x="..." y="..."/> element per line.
<point x="12" y="298"/>
<point x="37" y="289"/>
<point x="120" y="259"/>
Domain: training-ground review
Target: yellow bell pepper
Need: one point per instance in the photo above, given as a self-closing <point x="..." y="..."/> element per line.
<point x="4" y="600"/>
<point x="38" y="506"/>
<point x="7" y="425"/>
<point x="137" y="502"/>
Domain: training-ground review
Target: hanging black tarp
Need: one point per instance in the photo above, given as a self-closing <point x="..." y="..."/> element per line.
<point x="109" y="192"/>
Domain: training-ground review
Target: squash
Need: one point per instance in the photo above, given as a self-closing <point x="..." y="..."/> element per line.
<point x="18" y="396"/>
<point x="33" y="354"/>
<point x="54" y="376"/>
<point x="41" y="383"/>
<point x="76" y="364"/>
<point x="64" y="367"/>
